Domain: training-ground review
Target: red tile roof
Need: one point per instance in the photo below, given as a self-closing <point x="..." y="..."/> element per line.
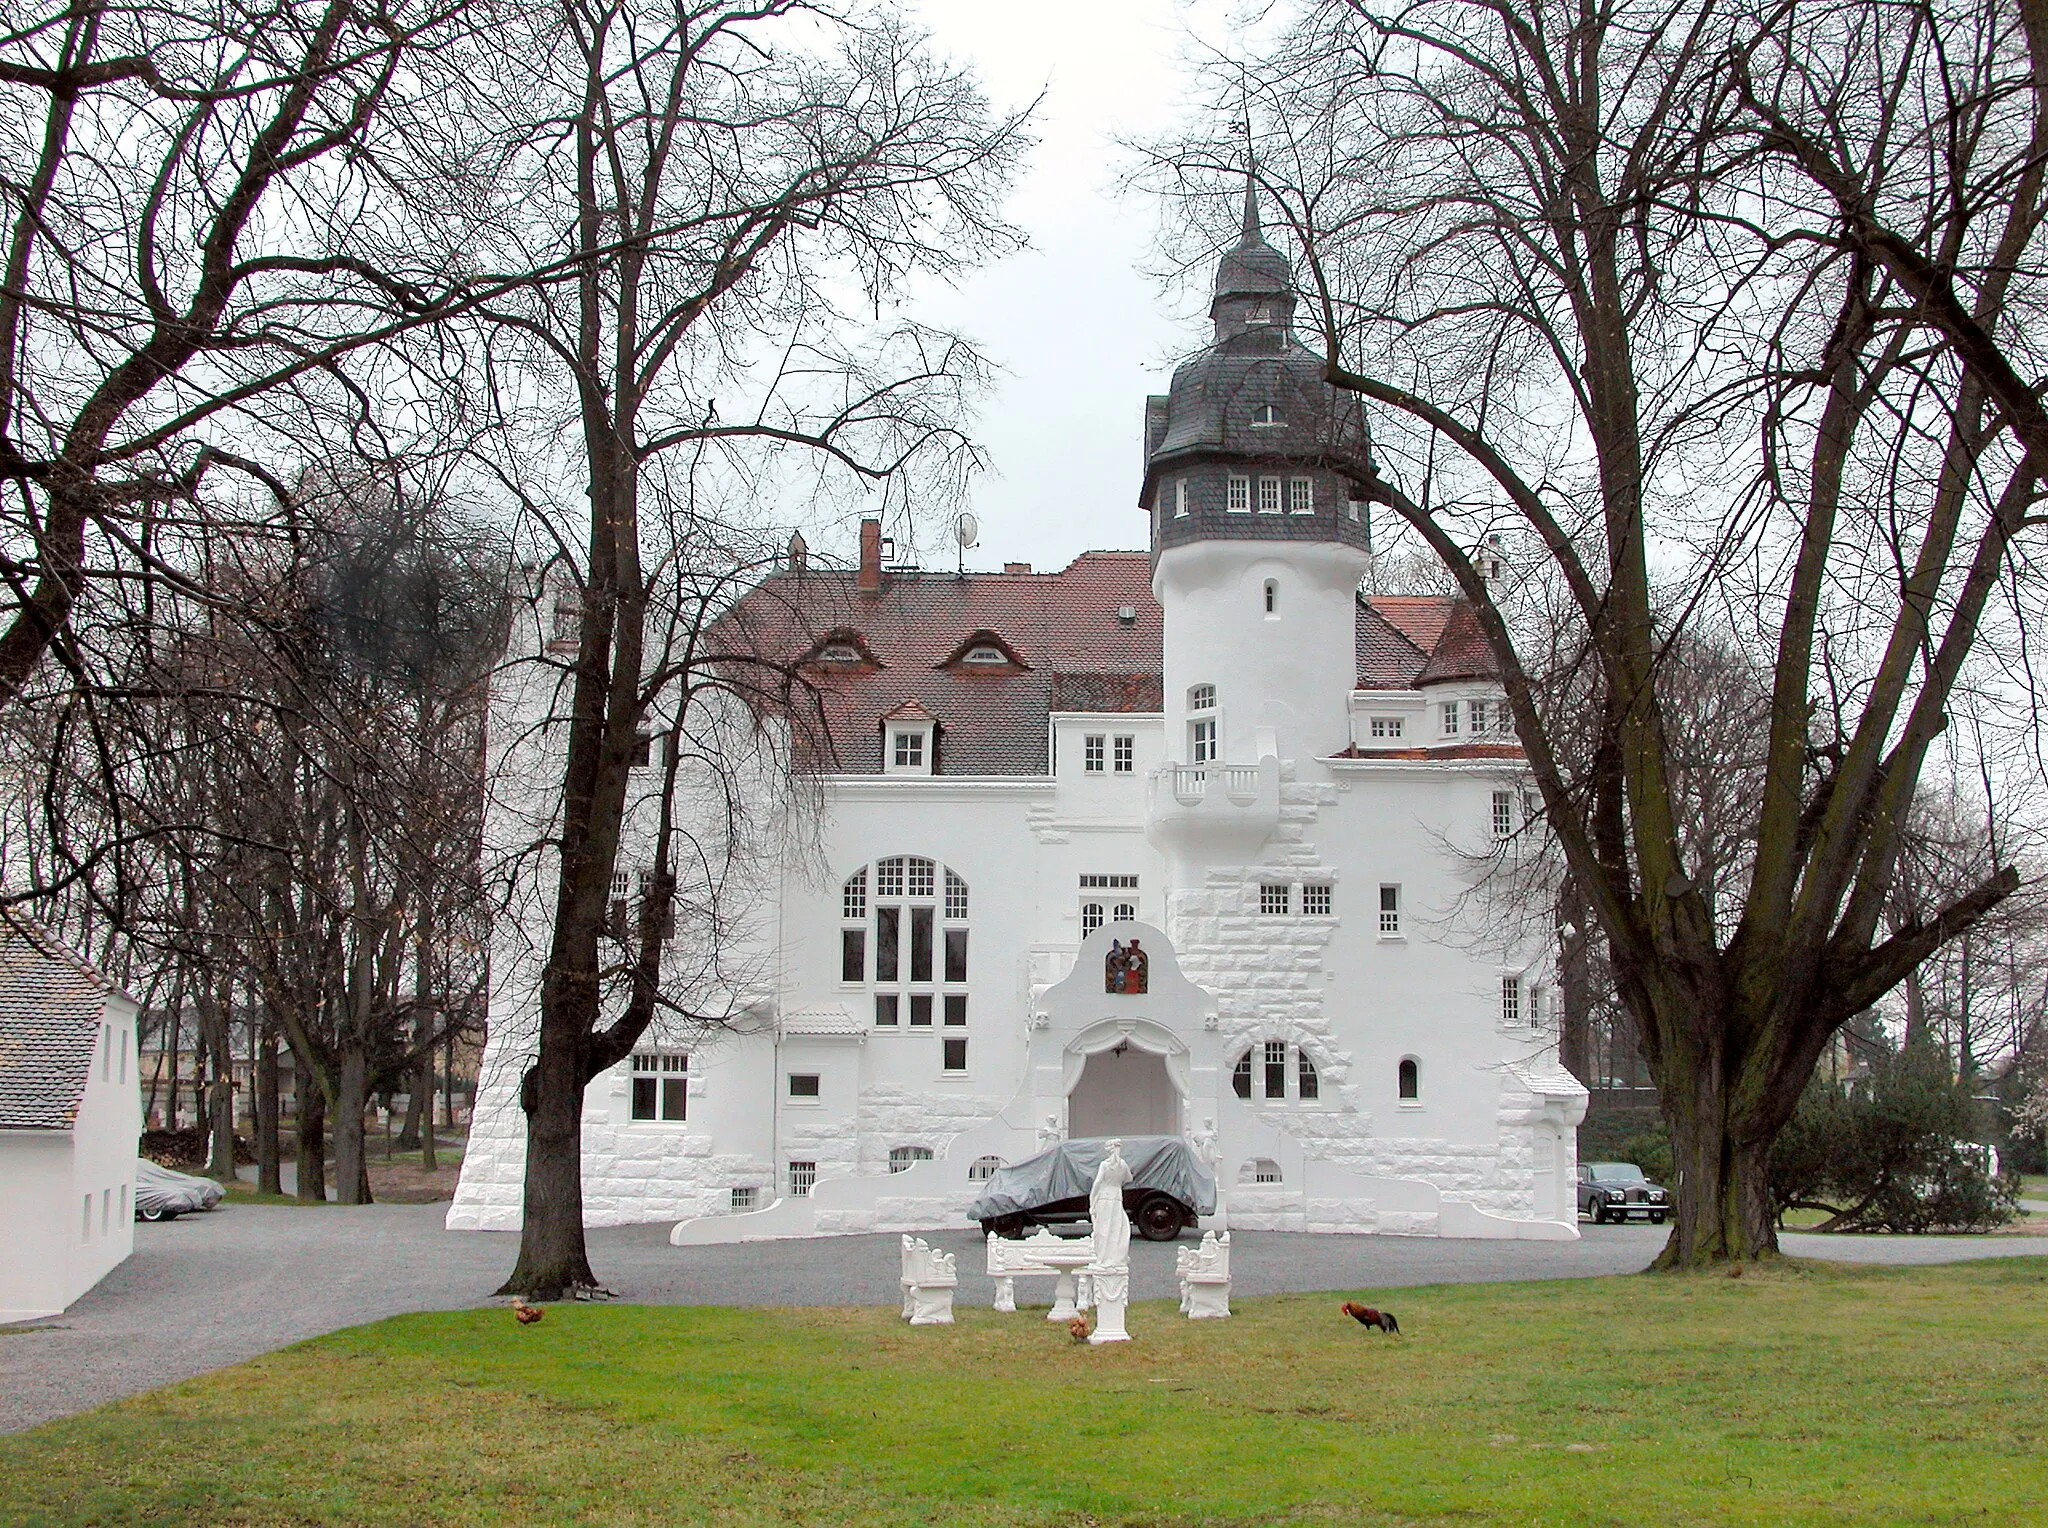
<point x="1462" y="651"/>
<point x="1420" y="618"/>
<point x="1141" y="694"/>
<point x="1075" y="652"/>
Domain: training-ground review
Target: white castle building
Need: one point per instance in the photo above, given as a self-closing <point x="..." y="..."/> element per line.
<point x="1288" y="797"/>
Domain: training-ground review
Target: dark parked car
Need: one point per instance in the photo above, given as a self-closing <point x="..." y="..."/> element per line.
<point x="1169" y="1187"/>
<point x="1619" y="1191"/>
<point x="162" y="1193"/>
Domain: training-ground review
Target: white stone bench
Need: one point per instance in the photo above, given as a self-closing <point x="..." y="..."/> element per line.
<point x="929" y="1279"/>
<point x="1205" y="1277"/>
<point x="1047" y="1255"/>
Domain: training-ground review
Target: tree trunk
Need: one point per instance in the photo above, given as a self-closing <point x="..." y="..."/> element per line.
<point x="312" y="1185"/>
<point x="214" y="1009"/>
<point x="422" y="1110"/>
<point x="351" y="1098"/>
<point x="1721" y="1199"/>
<point x="268" y="1179"/>
<point x="554" y="1262"/>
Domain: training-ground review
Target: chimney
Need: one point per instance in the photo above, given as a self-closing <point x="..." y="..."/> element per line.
<point x="870" y="581"/>
<point x="1016" y="567"/>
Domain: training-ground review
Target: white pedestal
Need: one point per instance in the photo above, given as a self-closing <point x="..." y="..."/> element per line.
<point x="1063" y="1306"/>
<point x="1112" y="1294"/>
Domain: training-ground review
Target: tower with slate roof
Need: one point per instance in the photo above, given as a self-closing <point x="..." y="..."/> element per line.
<point x="1257" y="544"/>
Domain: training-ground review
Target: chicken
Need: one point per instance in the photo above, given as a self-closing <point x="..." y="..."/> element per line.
<point x="1365" y="1315"/>
<point x="527" y="1314"/>
<point x="1078" y="1329"/>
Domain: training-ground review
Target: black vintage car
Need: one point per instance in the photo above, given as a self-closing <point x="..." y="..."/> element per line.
<point x="1169" y="1187"/>
<point x="1619" y="1191"/>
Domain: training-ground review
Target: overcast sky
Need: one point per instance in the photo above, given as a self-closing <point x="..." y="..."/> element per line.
<point x="1082" y="334"/>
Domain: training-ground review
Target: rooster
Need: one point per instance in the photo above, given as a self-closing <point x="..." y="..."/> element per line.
<point x="1078" y="1329"/>
<point x="1365" y="1315"/>
<point x="527" y="1314"/>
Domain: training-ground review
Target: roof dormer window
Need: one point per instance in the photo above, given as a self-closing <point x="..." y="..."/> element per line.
<point x="910" y="741"/>
<point x="986" y="651"/>
<point x="842" y="647"/>
<point x="1265" y="416"/>
<point x="1258" y="313"/>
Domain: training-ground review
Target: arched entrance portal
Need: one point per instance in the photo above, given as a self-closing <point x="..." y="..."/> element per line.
<point x="1124" y="1090"/>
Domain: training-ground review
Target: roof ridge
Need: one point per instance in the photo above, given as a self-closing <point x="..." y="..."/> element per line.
<point x="39" y="937"/>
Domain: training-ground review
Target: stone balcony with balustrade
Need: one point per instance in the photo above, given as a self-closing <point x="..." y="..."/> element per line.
<point x="1212" y="813"/>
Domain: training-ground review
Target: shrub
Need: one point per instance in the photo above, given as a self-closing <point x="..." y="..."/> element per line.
<point x="1891" y="1152"/>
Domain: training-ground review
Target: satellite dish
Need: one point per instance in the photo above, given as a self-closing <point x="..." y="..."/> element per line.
<point x="966" y="530"/>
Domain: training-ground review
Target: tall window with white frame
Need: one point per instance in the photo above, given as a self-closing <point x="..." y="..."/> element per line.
<point x="1449" y="714"/>
<point x="1503" y="814"/>
<point x="1126" y="754"/>
<point x="1301" y="496"/>
<point x="1180" y="498"/>
<point x="1269" y="496"/>
<point x="1202" y="724"/>
<point x="907" y="943"/>
<point x="1094" y="753"/>
<point x="1390" y="912"/>
<point x="1511" y="1000"/>
<point x="1238" y="495"/>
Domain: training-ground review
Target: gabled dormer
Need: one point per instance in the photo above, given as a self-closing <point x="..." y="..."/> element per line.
<point x="910" y="740"/>
<point x="984" y="652"/>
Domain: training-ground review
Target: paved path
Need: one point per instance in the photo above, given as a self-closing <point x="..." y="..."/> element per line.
<point x="210" y="1290"/>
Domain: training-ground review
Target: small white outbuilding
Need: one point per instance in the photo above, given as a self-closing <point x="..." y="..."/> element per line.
<point x="70" y="1112"/>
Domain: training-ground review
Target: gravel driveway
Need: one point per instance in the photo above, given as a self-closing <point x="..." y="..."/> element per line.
<point x="211" y="1290"/>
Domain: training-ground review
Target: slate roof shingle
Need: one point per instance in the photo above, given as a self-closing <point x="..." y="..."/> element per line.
<point x="51" y="1005"/>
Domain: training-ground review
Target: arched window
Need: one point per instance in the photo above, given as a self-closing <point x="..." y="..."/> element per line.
<point x="1126" y="912"/>
<point x="1410" y="1080"/>
<point x="984" y="1168"/>
<point x="901" y="1157"/>
<point x="1272" y="596"/>
<point x="1259" y="1170"/>
<point x="1091" y="918"/>
<point x="903" y="934"/>
<point x="1266" y="1062"/>
<point x="1265" y="414"/>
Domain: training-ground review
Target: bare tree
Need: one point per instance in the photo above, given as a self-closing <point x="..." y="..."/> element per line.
<point x="728" y="181"/>
<point x="1729" y="307"/>
<point x="205" y="204"/>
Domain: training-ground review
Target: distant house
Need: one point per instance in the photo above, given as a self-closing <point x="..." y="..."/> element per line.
<point x="70" y="1111"/>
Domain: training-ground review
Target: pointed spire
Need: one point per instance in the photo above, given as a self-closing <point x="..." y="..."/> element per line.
<point x="1252" y="234"/>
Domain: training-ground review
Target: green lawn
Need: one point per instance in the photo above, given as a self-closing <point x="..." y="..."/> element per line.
<point x="1804" y="1394"/>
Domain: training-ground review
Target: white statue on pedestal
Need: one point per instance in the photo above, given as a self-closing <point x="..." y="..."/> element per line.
<point x="1110" y="1270"/>
<point x="1049" y="1132"/>
<point x="1112" y="1239"/>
